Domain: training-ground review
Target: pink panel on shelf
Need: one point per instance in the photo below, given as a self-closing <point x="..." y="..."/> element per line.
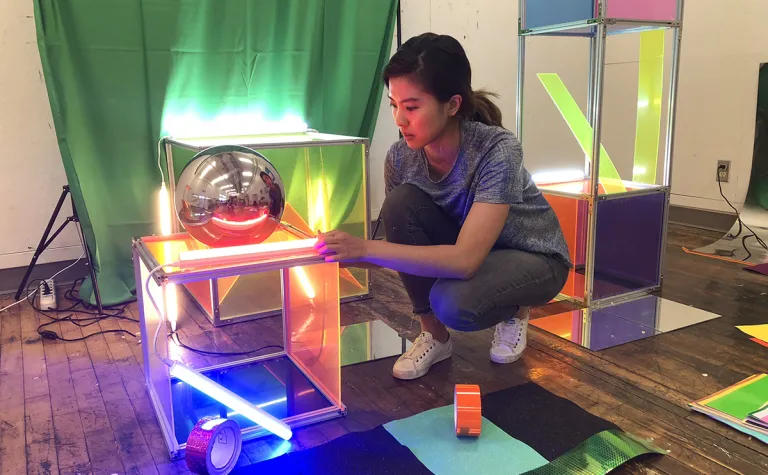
<point x="657" y="10"/>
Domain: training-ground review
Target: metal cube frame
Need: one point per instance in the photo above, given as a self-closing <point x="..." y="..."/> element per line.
<point x="597" y="27"/>
<point x="158" y="379"/>
<point x="317" y="139"/>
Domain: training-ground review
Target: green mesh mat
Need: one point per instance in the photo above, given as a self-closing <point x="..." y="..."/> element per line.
<point x="598" y="455"/>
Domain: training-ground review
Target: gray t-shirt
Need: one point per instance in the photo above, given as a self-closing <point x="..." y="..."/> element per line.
<point x="489" y="169"/>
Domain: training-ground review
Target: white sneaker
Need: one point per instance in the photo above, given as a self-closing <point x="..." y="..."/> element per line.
<point x="425" y="352"/>
<point x="509" y="341"/>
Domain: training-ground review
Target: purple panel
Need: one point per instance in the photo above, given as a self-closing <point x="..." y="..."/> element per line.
<point x="623" y="323"/>
<point x="628" y="244"/>
<point x="759" y="269"/>
<point x="643" y="311"/>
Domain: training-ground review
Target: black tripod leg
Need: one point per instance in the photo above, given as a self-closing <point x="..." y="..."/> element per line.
<point x="376" y="228"/>
<point x="43" y="242"/>
<point x="91" y="270"/>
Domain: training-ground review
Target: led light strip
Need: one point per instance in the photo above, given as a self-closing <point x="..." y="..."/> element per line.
<point x="229" y="254"/>
<point x="231" y="400"/>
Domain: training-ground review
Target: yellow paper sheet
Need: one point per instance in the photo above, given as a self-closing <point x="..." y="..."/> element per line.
<point x="757" y="331"/>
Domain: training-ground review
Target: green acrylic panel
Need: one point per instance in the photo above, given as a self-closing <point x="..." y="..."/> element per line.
<point x="582" y="130"/>
<point x="649" y="98"/>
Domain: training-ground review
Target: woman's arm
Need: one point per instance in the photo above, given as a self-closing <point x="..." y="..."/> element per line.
<point x="480" y="231"/>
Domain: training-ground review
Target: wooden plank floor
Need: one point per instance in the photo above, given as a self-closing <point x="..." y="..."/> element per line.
<point x="80" y="407"/>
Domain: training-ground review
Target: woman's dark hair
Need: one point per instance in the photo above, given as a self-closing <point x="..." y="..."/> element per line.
<point x="440" y="65"/>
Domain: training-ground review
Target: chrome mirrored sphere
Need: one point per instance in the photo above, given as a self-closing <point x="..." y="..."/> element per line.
<point x="229" y="196"/>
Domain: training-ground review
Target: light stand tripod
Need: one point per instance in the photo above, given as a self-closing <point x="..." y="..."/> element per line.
<point x="45" y="242"/>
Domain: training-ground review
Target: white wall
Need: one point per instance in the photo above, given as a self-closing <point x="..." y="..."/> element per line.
<point x="722" y="50"/>
<point x="32" y="174"/>
<point x="385" y="134"/>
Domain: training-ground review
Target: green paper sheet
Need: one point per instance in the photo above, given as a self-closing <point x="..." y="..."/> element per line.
<point x="743" y="400"/>
<point x="581" y="129"/>
<point x="649" y="90"/>
<point x="431" y="437"/>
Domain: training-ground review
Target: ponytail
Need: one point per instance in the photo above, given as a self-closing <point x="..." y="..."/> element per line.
<point x="485" y="110"/>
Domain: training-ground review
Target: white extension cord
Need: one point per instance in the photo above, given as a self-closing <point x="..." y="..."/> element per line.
<point x="47" y="295"/>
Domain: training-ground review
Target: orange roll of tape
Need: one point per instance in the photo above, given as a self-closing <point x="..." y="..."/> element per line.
<point x="467" y="410"/>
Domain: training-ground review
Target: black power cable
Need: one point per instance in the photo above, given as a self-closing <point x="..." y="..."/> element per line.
<point x="174" y="336"/>
<point x="96" y="318"/>
<point x="80" y="322"/>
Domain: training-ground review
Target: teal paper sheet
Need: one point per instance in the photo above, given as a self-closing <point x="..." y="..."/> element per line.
<point x="431" y="437"/>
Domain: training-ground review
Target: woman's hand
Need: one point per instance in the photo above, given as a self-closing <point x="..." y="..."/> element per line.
<point x="338" y="246"/>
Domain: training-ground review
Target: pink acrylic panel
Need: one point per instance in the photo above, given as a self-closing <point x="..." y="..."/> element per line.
<point x="655" y="10"/>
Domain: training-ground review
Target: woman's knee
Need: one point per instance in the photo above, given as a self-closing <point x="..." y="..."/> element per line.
<point x="401" y="200"/>
<point x="453" y="308"/>
<point x="399" y="205"/>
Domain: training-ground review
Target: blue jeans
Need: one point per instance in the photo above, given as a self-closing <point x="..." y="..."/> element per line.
<point x="507" y="279"/>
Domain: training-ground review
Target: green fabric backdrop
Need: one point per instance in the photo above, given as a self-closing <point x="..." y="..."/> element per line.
<point x="116" y="70"/>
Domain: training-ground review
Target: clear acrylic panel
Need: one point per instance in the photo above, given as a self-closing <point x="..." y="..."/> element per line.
<point x="155" y="371"/>
<point x="249" y="294"/>
<point x="236" y="295"/>
<point x="370" y="341"/>
<point x="555" y="96"/>
<point x="628" y="244"/>
<point x="275" y="385"/>
<point x="599" y="329"/>
<point x="573" y="216"/>
<point x="581" y="189"/>
<point x="312" y="324"/>
<point x="629" y="321"/>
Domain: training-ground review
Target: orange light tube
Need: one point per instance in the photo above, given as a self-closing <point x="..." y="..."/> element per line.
<point x="227" y="255"/>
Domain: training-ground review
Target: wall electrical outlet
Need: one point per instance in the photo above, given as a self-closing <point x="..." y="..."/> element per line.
<point x="723" y="174"/>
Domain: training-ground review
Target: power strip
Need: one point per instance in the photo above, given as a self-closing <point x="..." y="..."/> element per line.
<point x="47" y="293"/>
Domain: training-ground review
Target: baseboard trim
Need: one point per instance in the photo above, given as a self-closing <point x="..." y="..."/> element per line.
<point x="11" y="278"/>
<point x="701" y="218"/>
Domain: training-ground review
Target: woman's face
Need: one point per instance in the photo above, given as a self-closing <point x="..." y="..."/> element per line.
<point x="420" y="117"/>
